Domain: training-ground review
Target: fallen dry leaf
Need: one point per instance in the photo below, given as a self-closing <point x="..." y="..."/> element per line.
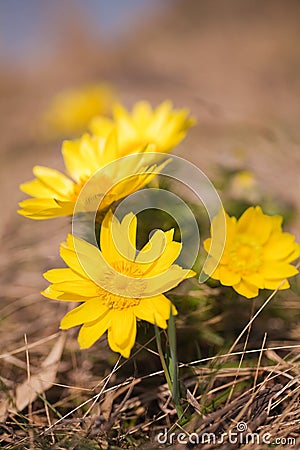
<point x="28" y="391"/>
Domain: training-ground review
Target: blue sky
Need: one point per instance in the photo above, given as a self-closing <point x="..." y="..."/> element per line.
<point x="27" y="25"/>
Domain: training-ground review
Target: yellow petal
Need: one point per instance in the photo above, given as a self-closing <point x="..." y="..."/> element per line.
<point x="67" y="207"/>
<point x="91" y="260"/>
<point x="207" y="244"/>
<point x="128" y="236"/>
<point x="83" y="287"/>
<point x="169" y="235"/>
<point x="256" y="279"/>
<point x="54" y="180"/>
<point x="38" y="205"/>
<point x="91" y="148"/>
<point x="134" y="176"/>
<point x="141" y="114"/>
<point x="90" y="332"/>
<point x="124" y="236"/>
<point x="101" y="126"/>
<point x="276" y="223"/>
<point x="43" y="208"/>
<point x="50" y="292"/>
<point x="211" y="268"/>
<point x="71" y="259"/>
<point x="155" y="310"/>
<point x="279" y="246"/>
<point x="277" y="284"/>
<point x="278" y="270"/>
<point x="256" y="224"/>
<point x="87" y="312"/>
<point x="59" y="275"/>
<point x="159" y="253"/>
<point x="167" y="280"/>
<point x="169" y="255"/>
<point x="122" y="333"/>
<point x="111" y="150"/>
<point x="107" y="245"/>
<point x="129" y="184"/>
<point x="228" y="277"/>
<point x="294" y="255"/>
<point x="118" y="240"/>
<point x="74" y="161"/>
<point x="124" y="122"/>
<point x="153" y="249"/>
<point x="37" y="189"/>
<point x="246" y="289"/>
<point x="223" y="232"/>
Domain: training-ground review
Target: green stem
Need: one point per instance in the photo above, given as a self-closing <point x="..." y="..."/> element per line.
<point x="171" y="378"/>
<point x="161" y="356"/>
<point x="174" y="364"/>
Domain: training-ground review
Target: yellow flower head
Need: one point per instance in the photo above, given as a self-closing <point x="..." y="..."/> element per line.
<point x="117" y="285"/>
<point x="71" y="110"/>
<point x="244" y="186"/>
<point x="55" y="194"/>
<point x="257" y="253"/>
<point x="158" y="130"/>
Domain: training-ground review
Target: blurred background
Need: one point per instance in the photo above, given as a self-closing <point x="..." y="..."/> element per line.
<point x="234" y="64"/>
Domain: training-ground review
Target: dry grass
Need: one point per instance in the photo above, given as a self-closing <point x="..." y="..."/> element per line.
<point x="55" y="396"/>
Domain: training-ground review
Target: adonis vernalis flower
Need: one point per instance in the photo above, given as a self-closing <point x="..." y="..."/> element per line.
<point x="257" y="253"/>
<point x="71" y="111"/>
<point x="244" y="186"/>
<point x="55" y="194"/>
<point x="159" y="129"/>
<point x="117" y="285"/>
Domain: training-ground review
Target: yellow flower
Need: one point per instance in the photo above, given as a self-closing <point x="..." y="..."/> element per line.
<point x="257" y="253"/>
<point x="244" y="186"/>
<point x="55" y="193"/>
<point x="116" y="285"/>
<point x="71" y="110"/>
<point x="158" y="130"/>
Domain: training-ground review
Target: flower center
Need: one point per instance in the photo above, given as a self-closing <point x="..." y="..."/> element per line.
<point x="245" y="255"/>
<point x="113" y="301"/>
<point x="124" y="286"/>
